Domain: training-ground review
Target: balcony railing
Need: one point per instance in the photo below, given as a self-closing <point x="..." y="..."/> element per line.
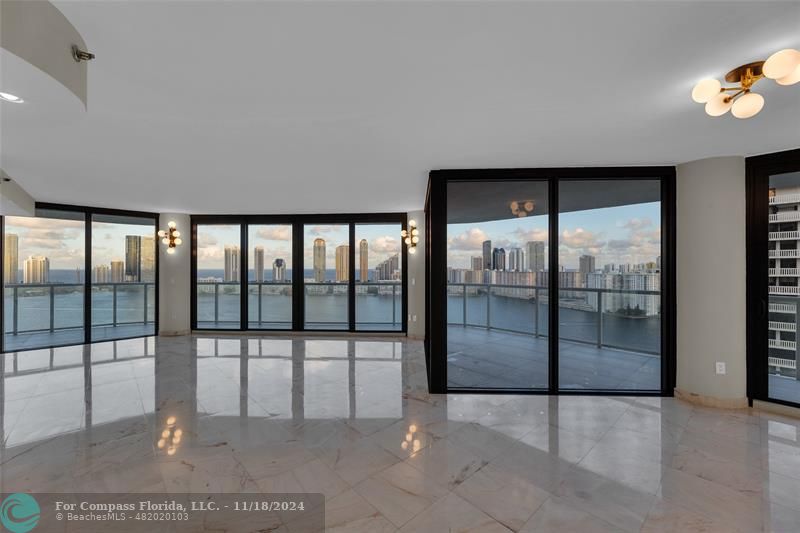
<point x="784" y="235"/>
<point x="785" y="216"/>
<point x="378" y="305"/>
<point x="613" y="318"/>
<point x="51" y="307"/>
<point x="784" y="289"/>
<point x="777" y="254"/>
<point x="784" y="199"/>
<point x="786" y="323"/>
<point x="784" y="272"/>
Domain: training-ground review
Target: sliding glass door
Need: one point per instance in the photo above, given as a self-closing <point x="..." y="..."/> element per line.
<point x="609" y="282"/>
<point x="379" y="277"/>
<point x="269" y="278"/>
<point x="43" y="280"/>
<point x="492" y="272"/>
<point x="218" y="276"/>
<point x="773" y="272"/>
<point x="123" y="276"/>
<point x="497" y="297"/>
<point x="326" y="257"/>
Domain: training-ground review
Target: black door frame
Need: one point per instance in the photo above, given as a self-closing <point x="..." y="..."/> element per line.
<point x="436" y="268"/>
<point x="87" y="212"/>
<point x="297" y="222"/>
<point x="758" y="171"/>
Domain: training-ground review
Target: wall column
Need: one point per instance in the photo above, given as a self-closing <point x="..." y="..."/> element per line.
<point x="174" y="270"/>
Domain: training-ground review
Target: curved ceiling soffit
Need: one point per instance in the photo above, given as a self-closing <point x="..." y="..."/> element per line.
<point x="38" y="33"/>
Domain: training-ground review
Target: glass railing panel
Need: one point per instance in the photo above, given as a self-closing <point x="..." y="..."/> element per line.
<point x="513" y="308"/>
<point x="269" y="305"/>
<point x="632" y="321"/>
<point x="218" y="305"/>
<point x="476" y="311"/>
<point x="326" y="305"/>
<point x="456" y="305"/>
<point x="379" y="306"/>
<point x="577" y="316"/>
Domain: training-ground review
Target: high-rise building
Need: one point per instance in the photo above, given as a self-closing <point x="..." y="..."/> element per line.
<point x="477" y="263"/>
<point x="147" y="263"/>
<point x="343" y="262"/>
<point x="231" y="263"/>
<point x="101" y="274"/>
<point x="117" y="271"/>
<point x="319" y="260"/>
<point x="279" y="270"/>
<point x="388" y="270"/>
<point x="10" y="258"/>
<point x="258" y="264"/>
<point x="535" y="255"/>
<point x="586" y="265"/>
<point x="488" y="263"/>
<point x="516" y="260"/>
<point x="133" y="258"/>
<point x="498" y="259"/>
<point x="363" y="261"/>
<point x="36" y="269"/>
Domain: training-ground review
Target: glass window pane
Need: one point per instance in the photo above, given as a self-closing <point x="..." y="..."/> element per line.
<point x="43" y="277"/>
<point x="218" y="276"/>
<point x="379" y="275"/>
<point x="269" y="288"/>
<point x="497" y="279"/>
<point x="784" y="290"/>
<point x="609" y="280"/>
<point x="123" y="277"/>
<point x="326" y="263"/>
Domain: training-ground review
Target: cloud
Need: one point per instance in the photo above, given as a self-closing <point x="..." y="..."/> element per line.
<point x="636" y="223"/>
<point x="386" y="244"/>
<point x="470" y="240"/>
<point x="322" y="230"/>
<point x="580" y="238"/>
<point x="531" y="234"/>
<point x="275" y="233"/>
<point x="205" y="240"/>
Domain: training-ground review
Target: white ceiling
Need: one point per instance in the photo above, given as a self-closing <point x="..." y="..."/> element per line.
<point x="263" y="107"/>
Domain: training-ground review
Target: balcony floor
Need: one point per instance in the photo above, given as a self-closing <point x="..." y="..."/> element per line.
<point x="784" y="388"/>
<point x="480" y="358"/>
<point x="29" y="341"/>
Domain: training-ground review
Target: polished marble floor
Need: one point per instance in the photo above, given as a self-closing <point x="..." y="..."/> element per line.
<point x="351" y="418"/>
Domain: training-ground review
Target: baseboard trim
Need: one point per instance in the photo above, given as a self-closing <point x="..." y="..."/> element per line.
<point x="776" y="408"/>
<point x="711" y="401"/>
<point x="174" y="333"/>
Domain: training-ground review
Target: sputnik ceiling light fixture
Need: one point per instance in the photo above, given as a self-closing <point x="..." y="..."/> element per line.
<point x="171" y="237"/>
<point x="783" y="67"/>
<point x="522" y="208"/>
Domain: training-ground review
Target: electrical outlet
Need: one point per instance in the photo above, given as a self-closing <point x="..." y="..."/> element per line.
<point x="413" y="281"/>
<point x="721" y="368"/>
<point x="413" y="318"/>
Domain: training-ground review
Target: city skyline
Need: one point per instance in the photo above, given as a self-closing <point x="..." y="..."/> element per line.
<point x="621" y="234"/>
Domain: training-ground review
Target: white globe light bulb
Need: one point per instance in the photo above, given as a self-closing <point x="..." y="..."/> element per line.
<point x="165" y="240"/>
<point x="414" y="240"/>
<point x="781" y="64"/>
<point x="747" y="105"/>
<point x="171" y="224"/>
<point x="170" y="251"/>
<point x="176" y="233"/>
<point x="719" y="105"/>
<point x="412" y="222"/>
<point x="529" y="206"/>
<point x="791" y="79"/>
<point x="705" y="90"/>
<point x="178" y="241"/>
<point x="412" y="250"/>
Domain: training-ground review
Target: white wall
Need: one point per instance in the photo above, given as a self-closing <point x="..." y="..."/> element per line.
<point x="174" y="270"/>
<point x="711" y="269"/>
<point x="416" y="281"/>
<point x="14" y="200"/>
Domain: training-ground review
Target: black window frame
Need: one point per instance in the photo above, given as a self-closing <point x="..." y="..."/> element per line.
<point x="88" y="212"/>
<point x="436" y="269"/>
<point x="758" y="170"/>
<point x="298" y="222"/>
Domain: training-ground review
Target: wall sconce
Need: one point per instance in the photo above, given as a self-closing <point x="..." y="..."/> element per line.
<point x="411" y="236"/>
<point x="171" y="237"/>
<point x="170" y="437"/>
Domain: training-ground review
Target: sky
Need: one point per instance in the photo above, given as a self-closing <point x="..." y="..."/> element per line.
<point x="62" y="241"/>
<point x="624" y="234"/>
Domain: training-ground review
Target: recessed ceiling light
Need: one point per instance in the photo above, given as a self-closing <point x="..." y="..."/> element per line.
<point x="8" y="97"/>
